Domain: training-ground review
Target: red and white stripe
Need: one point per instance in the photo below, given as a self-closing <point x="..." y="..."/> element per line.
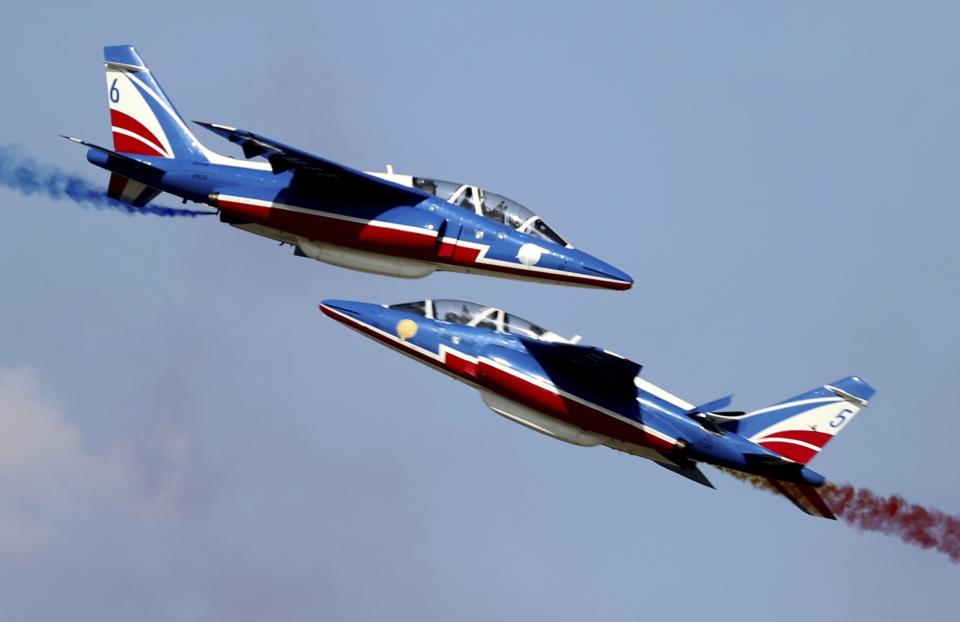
<point x="801" y="437"/>
<point x="131" y="136"/>
<point x="136" y="129"/>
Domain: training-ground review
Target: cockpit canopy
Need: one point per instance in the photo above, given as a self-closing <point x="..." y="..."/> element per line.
<point x="473" y="314"/>
<point x="490" y="205"/>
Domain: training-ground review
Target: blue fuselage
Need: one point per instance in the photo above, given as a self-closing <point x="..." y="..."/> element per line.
<point x="409" y="226"/>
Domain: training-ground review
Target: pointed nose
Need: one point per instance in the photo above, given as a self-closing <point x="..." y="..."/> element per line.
<point x="345" y="310"/>
<point x="607" y="276"/>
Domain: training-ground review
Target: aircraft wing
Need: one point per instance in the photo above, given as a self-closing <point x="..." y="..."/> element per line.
<point x="603" y="371"/>
<point x="309" y="167"/>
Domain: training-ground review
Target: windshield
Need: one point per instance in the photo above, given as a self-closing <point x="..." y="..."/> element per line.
<point x="417" y="308"/>
<point x="490" y="205"/>
<point x="519" y="326"/>
<point x="473" y="314"/>
<point x="467" y="313"/>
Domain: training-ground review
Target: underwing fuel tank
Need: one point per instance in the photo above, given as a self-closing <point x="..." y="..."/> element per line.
<point x="545" y="424"/>
<point x="363" y="261"/>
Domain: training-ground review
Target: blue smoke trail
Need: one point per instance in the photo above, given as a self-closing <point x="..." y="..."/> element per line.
<point x="20" y="172"/>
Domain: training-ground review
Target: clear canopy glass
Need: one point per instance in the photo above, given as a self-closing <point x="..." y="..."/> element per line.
<point x="473" y="314"/>
<point x="490" y="205"/>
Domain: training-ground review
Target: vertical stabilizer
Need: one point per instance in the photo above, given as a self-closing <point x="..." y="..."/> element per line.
<point x="798" y="428"/>
<point x="142" y="118"/>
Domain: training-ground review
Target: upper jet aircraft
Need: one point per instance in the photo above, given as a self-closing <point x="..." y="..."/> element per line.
<point x="589" y="396"/>
<point x="385" y="223"/>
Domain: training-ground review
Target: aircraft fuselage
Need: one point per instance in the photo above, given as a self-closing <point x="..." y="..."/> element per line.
<point x="648" y="422"/>
<point x="365" y="230"/>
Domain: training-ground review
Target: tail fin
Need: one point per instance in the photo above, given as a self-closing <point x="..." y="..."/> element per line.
<point x="143" y="119"/>
<point x="800" y="427"/>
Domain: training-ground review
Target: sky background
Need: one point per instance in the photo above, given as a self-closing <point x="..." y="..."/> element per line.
<point x="183" y="436"/>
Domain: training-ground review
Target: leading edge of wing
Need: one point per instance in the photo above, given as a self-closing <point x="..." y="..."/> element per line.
<point x="283" y="158"/>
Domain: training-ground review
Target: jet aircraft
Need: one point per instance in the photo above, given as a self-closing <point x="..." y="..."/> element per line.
<point x="384" y="223"/>
<point x="589" y="396"/>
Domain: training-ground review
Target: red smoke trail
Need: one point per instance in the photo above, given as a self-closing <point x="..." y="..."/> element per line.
<point x="914" y="524"/>
<point x="863" y="509"/>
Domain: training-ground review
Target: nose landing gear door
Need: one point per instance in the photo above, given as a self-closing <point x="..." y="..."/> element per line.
<point x="447" y="237"/>
<point x="467" y="197"/>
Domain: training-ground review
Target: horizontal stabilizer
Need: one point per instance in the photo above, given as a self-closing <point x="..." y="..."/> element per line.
<point x="713" y="406"/>
<point x="137" y="164"/>
<point x="130" y="191"/>
<point x="770" y="464"/>
<point x="805" y="497"/>
<point x="121" y="187"/>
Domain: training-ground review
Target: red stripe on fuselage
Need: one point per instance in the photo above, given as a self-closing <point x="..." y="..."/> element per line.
<point x="515" y="387"/>
<point x="125" y="121"/>
<point x="366" y="330"/>
<point x="469" y="257"/>
<point x="319" y="226"/>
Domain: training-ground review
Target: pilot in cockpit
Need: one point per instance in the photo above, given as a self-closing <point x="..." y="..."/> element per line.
<point x="496" y="212"/>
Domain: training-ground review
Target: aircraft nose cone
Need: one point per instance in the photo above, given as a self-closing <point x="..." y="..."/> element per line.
<point x="349" y="309"/>
<point x="613" y="278"/>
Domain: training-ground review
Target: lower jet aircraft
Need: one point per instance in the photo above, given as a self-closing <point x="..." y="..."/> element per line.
<point x="589" y="396"/>
<point x="384" y="223"/>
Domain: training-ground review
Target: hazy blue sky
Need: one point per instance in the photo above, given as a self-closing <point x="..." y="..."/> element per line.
<point x="183" y="436"/>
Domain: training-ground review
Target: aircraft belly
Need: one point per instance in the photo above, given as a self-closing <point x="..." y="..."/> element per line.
<point x="344" y="257"/>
